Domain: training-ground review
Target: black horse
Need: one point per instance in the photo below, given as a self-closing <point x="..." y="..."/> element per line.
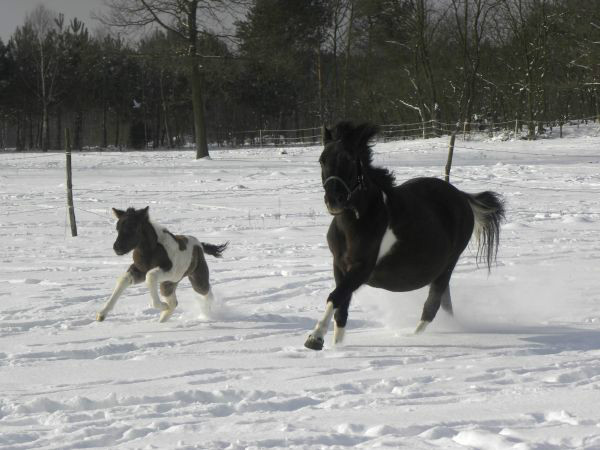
<point x="398" y="238"/>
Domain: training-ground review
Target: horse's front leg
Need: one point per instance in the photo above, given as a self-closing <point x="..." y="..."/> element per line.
<point x="153" y="278"/>
<point x="132" y="276"/>
<point x="337" y="305"/>
<point x="316" y="338"/>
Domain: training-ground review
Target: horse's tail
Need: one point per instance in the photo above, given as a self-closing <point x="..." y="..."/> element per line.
<point x="488" y="212"/>
<point x="214" y="250"/>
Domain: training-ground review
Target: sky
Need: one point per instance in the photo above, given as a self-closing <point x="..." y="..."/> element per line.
<point x="12" y="12"/>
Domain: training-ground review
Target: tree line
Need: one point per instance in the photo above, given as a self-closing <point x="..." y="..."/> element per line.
<point x="289" y="64"/>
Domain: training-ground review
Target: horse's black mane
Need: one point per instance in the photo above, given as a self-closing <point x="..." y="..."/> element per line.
<point x="356" y="140"/>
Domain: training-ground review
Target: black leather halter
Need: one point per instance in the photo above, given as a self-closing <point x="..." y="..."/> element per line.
<point x="358" y="186"/>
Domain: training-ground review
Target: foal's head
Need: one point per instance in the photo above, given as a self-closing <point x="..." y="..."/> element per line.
<point x="130" y="226"/>
<point x="343" y="163"/>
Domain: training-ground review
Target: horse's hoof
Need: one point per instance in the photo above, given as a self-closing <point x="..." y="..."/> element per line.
<point x="421" y="327"/>
<point x="100" y="317"/>
<point x="314" y="343"/>
<point x="165" y="315"/>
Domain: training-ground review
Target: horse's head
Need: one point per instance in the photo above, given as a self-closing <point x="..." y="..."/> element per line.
<point x="130" y="225"/>
<point x="343" y="162"/>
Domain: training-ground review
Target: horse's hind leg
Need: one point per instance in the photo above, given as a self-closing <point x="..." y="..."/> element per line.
<point x="439" y="294"/>
<point x="199" y="277"/>
<point x="447" y="301"/>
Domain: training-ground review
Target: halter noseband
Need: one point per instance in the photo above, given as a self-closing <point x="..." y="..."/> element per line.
<point x="359" y="186"/>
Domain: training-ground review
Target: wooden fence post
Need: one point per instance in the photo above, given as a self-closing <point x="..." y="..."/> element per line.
<point x="70" y="184"/>
<point x="450" y="155"/>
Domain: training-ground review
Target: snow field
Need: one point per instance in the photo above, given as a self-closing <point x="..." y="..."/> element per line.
<point x="517" y="368"/>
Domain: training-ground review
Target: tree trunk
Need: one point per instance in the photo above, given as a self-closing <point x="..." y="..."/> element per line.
<point x="77" y="144"/>
<point x="157" y="142"/>
<point x="30" y="123"/>
<point x="3" y="134"/>
<point x="59" y="130"/>
<point x="334" y="55"/>
<point x="165" y="111"/>
<point x="320" y="81"/>
<point x="198" y="106"/>
<point x="104" y="124"/>
<point x="20" y="137"/>
<point x="117" y="130"/>
<point x="44" y="142"/>
<point x="347" y="61"/>
<point x="597" y="101"/>
<point x="196" y="82"/>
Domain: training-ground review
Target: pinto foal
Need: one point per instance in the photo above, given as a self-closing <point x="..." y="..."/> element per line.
<point x="159" y="258"/>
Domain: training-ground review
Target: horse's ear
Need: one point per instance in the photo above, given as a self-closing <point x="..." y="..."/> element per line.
<point x="327" y="136"/>
<point x="117" y="213"/>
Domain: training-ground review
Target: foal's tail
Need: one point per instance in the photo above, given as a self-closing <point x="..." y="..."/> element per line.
<point x="488" y="212"/>
<point x="214" y="250"/>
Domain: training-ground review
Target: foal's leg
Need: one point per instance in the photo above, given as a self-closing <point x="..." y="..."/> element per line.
<point x="167" y="290"/>
<point x="153" y="278"/>
<point x="132" y="276"/>
<point x="199" y="277"/>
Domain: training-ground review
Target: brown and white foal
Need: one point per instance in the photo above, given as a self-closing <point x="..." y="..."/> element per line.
<point x="161" y="259"/>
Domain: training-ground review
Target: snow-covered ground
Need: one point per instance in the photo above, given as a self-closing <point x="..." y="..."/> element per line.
<point x="517" y="368"/>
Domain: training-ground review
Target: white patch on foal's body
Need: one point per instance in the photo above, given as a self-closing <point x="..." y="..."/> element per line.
<point x="388" y="240"/>
<point x="181" y="259"/>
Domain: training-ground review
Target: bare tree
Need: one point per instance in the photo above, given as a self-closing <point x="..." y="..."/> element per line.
<point x="471" y="18"/>
<point x="187" y="19"/>
<point x="525" y="25"/>
<point x="43" y="22"/>
<point x="421" y="20"/>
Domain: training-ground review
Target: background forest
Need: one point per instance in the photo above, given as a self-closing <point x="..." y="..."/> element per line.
<point x="294" y="65"/>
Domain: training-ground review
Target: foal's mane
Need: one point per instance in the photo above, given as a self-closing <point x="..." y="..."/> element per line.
<point x="356" y="140"/>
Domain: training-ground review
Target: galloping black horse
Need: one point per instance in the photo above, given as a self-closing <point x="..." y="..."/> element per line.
<point x="398" y="238"/>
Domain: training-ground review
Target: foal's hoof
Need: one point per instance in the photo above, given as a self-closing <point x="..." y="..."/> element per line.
<point x="314" y="343"/>
<point x="165" y="315"/>
<point x="100" y="317"/>
<point x="421" y="326"/>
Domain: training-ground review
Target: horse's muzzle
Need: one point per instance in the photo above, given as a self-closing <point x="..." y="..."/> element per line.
<point x="119" y="251"/>
<point x="334" y="209"/>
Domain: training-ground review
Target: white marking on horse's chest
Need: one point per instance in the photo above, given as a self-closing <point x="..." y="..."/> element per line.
<point x="388" y="240"/>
